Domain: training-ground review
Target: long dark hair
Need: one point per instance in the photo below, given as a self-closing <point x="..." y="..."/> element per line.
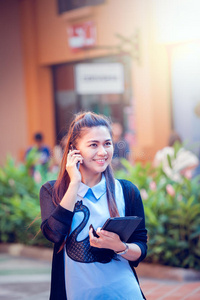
<point x="82" y="121"/>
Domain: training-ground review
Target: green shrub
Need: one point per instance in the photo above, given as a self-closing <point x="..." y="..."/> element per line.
<point x="172" y="211"/>
<point x="19" y="196"/>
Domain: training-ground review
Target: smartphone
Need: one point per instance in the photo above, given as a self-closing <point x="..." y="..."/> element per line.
<point x="93" y="231"/>
<point x="74" y="148"/>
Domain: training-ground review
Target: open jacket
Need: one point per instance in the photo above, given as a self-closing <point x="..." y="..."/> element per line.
<point x="56" y="222"/>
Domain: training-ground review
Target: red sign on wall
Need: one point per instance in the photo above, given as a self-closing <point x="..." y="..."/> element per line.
<point x="82" y="35"/>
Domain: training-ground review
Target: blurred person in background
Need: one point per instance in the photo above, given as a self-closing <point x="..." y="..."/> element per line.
<point x="58" y="151"/>
<point x="121" y="146"/>
<point x="42" y="150"/>
<point x="175" y="160"/>
<point x="38" y="157"/>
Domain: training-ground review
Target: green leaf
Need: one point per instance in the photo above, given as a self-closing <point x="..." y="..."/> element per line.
<point x="169" y="160"/>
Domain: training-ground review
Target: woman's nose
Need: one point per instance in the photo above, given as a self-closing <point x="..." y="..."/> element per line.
<point x="102" y="151"/>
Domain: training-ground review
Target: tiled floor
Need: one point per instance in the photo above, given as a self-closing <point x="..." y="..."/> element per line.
<point x="25" y="278"/>
<point x="171" y="290"/>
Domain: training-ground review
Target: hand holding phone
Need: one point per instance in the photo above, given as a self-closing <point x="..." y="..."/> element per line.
<point x="74" y="148"/>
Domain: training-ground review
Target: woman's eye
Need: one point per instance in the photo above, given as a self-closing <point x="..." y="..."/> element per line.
<point x="108" y="144"/>
<point x="93" y="145"/>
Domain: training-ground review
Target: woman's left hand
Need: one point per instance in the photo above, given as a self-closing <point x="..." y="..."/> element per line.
<point x="107" y="240"/>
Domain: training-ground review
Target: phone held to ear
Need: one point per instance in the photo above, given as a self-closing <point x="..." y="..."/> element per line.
<point x="74" y="148"/>
<point x="78" y="165"/>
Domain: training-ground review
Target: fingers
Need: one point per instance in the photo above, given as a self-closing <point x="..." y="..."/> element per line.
<point x="108" y="234"/>
<point x="109" y="240"/>
<point x="74" y="153"/>
<point x="98" y="231"/>
<point x="94" y="241"/>
<point x="71" y="167"/>
<point x="74" y="157"/>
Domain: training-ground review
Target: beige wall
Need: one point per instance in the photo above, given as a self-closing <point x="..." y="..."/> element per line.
<point x="38" y="78"/>
<point x="13" y="122"/>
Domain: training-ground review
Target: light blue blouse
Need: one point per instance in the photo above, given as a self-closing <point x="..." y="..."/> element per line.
<point x="91" y="281"/>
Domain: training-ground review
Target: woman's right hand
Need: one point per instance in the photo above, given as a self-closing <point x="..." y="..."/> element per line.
<point x="70" y="197"/>
<point x="73" y="158"/>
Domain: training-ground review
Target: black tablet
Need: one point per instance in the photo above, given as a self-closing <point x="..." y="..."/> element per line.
<point x="123" y="226"/>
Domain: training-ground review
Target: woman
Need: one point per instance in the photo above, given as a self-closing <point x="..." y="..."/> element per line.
<point x="86" y="266"/>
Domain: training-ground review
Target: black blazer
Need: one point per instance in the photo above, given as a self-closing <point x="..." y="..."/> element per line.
<point x="56" y="222"/>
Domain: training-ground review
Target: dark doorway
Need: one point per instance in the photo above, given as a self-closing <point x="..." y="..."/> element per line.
<point x="68" y="102"/>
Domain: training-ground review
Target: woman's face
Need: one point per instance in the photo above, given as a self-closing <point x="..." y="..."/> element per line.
<point x="96" y="148"/>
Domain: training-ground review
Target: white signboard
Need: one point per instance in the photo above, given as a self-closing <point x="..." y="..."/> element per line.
<point x="104" y="78"/>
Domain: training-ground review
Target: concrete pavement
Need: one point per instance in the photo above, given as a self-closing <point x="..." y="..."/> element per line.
<point x="23" y="278"/>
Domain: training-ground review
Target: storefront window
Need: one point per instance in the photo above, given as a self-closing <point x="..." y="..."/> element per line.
<point x="68" y="101"/>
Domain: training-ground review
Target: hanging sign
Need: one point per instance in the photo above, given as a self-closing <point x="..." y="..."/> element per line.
<point x="104" y="78"/>
<point x="82" y="35"/>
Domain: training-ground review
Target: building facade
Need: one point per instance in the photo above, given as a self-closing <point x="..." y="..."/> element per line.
<point x="52" y="54"/>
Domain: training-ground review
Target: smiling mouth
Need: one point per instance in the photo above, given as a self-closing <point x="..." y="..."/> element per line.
<point x="100" y="160"/>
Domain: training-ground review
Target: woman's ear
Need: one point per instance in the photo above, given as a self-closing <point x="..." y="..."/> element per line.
<point x="72" y="147"/>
